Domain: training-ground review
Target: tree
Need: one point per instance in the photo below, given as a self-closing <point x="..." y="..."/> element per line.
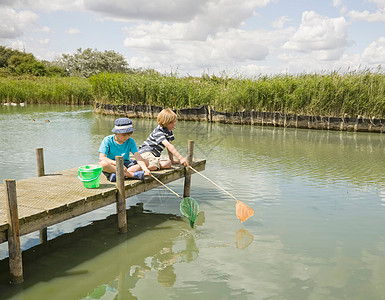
<point x="15" y="62"/>
<point x="90" y="62"/>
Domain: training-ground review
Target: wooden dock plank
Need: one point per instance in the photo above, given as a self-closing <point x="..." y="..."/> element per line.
<point x="53" y="198"/>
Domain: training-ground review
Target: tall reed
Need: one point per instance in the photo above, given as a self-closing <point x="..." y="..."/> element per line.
<point x="46" y="90"/>
<point x="332" y="94"/>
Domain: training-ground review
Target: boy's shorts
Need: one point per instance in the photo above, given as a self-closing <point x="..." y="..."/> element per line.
<point x="127" y="164"/>
<point x="152" y="159"/>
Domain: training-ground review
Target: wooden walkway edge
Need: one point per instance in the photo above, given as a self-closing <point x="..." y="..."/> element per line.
<point x="50" y="199"/>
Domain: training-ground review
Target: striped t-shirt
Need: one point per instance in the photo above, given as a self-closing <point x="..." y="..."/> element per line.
<point x="154" y="141"/>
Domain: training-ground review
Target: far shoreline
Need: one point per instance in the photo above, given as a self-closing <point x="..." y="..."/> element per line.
<point x="207" y="113"/>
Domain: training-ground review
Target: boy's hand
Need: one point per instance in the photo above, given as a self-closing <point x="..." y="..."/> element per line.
<point x="184" y="162"/>
<point x="147" y="172"/>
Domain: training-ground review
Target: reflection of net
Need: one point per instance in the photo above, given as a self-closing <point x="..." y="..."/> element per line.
<point x="243" y="211"/>
<point x="243" y="238"/>
<point x="192" y="252"/>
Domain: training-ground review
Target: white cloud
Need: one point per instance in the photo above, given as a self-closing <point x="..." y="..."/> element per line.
<point x="378" y="16"/>
<point x="280" y="23"/>
<point x="154" y="10"/>
<point x="324" y="37"/>
<point x="46" y="5"/>
<point x="17" y="44"/>
<point x="225" y="49"/>
<point x="203" y="17"/>
<point x="220" y="15"/>
<point x="379" y="3"/>
<point x="73" y="31"/>
<point x="208" y="40"/>
<point x="44" y="42"/>
<point x="45" y="29"/>
<point x="14" y="23"/>
<point x="340" y="5"/>
<point x="374" y="54"/>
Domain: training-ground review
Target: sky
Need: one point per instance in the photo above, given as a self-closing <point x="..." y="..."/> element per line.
<point x="196" y="37"/>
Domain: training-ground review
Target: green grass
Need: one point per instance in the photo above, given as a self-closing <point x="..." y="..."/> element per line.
<point x="46" y="90"/>
<point x="332" y="94"/>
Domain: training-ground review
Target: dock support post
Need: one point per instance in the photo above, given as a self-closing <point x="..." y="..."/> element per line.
<point x="40" y="173"/>
<point x="40" y="162"/>
<point x="15" y="258"/>
<point x="121" y="195"/>
<point x="187" y="176"/>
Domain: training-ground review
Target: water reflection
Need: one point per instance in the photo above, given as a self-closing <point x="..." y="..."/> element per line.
<point x="243" y="238"/>
<point x="317" y="232"/>
<point x="113" y="256"/>
<point x="161" y="262"/>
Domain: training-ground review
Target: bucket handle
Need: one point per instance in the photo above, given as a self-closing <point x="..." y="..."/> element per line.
<point x="88" y="180"/>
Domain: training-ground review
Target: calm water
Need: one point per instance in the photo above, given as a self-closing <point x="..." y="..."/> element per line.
<point x="317" y="233"/>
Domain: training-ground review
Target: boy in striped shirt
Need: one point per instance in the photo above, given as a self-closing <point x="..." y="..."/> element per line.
<point x="160" y="138"/>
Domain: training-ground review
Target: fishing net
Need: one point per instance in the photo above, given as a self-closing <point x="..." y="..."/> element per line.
<point x="190" y="209"/>
<point x="243" y="211"/>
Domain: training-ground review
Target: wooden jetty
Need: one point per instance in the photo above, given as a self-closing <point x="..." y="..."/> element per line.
<point x="33" y="204"/>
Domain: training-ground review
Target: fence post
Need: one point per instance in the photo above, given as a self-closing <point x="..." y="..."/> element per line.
<point x="40" y="173"/>
<point x="121" y="195"/>
<point x="187" y="176"/>
<point x="40" y="162"/>
<point x="15" y="258"/>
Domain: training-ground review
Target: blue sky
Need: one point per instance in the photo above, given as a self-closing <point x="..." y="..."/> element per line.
<point x="246" y="37"/>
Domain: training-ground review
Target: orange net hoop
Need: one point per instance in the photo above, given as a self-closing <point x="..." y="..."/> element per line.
<point x="243" y="211"/>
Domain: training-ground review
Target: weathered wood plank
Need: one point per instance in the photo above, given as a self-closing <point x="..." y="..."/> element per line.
<point x="53" y="198"/>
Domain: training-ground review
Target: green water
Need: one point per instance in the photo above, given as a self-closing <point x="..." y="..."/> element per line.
<point x="317" y="233"/>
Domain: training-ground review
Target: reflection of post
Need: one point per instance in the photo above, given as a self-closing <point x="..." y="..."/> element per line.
<point x="15" y="259"/>
<point x="121" y="195"/>
<point x="187" y="178"/>
<point x="40" y="172"/>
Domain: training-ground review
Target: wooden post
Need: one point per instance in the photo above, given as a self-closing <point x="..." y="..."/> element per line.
<point x="43" y="235"/>
<point x="187" y="176"/>
<point x="40" y="173"/>
<point x="121" y="195"/>
<point x="15" y="258"/>
<point x="40" y="162"/>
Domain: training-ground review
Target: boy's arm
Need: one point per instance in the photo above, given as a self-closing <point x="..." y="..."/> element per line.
<point x="142" y="164"/>
<point x="172" y="151"/>
<point x="103" y="156"/>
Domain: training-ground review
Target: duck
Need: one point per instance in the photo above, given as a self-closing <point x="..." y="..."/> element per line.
<point x="47" y="121"/>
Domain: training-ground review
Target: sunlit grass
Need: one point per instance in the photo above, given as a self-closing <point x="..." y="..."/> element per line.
<point x="333" y="94"/>
<point x="46" y="90"/>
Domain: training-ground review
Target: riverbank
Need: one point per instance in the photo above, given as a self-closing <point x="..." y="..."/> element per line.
<point x="207" y="113"/>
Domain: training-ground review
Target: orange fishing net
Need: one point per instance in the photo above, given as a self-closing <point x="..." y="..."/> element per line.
<point x="243" y="211"/>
